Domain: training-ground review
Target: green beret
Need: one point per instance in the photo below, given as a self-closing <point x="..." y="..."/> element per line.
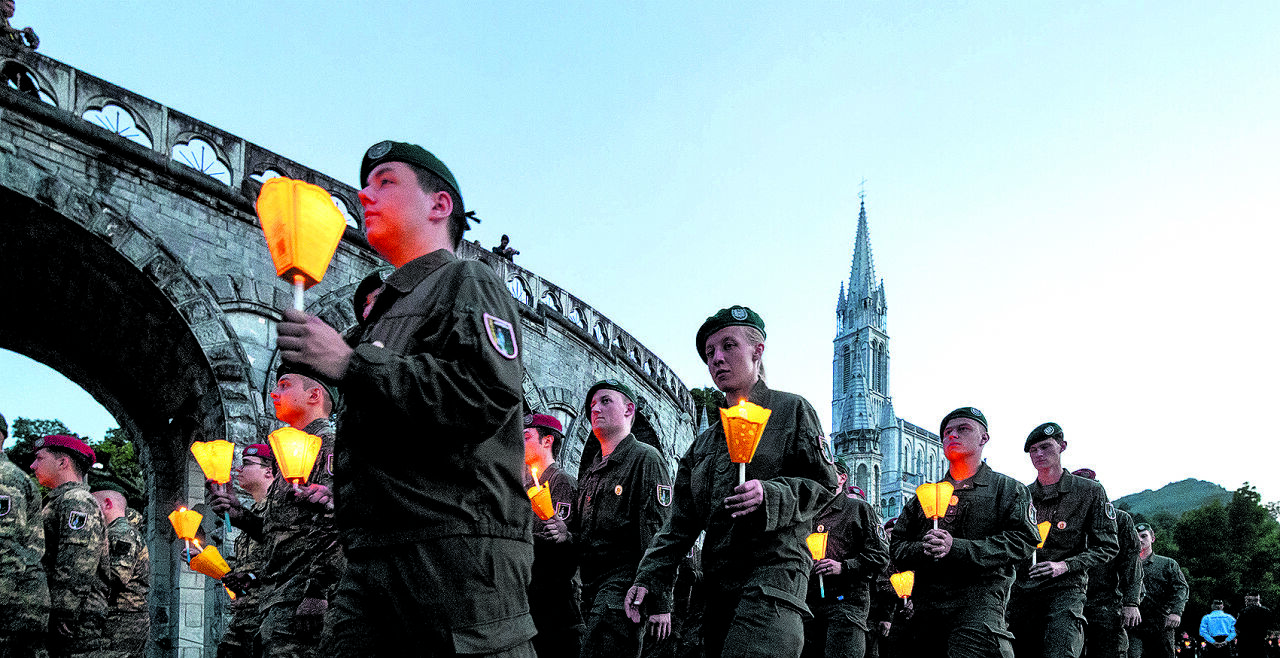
<point x="734" y="316"/>
<point x="389" y="151"/>
<point x="1048" y="430"/>
<point x="962" y="412"/>
<point x="611" y="384"/>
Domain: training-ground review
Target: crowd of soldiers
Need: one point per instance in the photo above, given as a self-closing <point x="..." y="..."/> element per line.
<point x="386" y="553"/>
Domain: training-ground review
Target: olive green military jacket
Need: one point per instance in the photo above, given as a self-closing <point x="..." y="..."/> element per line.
<point x="763" y="549"/>
<point x="1119" y="581"/>
<point x="1082" y="531"/>
<point x="1166" y="589"/>
<point x="75" y="556"/>
<point x="429" y="426"/>
<point x="130" y="575"/>
<point x="856" y="539"/>
<point x="553" y="592"/>
<point x="623" y="500"/>
<point x="990" y="521"/>
<point x="300" y="540"/>
<point x="24" y="591"/>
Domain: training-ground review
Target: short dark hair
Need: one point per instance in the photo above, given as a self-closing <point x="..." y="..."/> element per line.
<point x="556" y="439"/>
<point x="77" y="460"/>
<point x="431" y="183"/>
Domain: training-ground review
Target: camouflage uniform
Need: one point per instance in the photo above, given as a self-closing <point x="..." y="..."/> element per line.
<point x="76" y="561"/>
<point x="241" y="638"/>
<point x="128" y="619"/>
<point x="24" y="592"/>
<point x="303" y="558"/>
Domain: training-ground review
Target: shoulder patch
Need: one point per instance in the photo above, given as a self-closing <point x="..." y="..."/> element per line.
<point x="827" y="455"/>
<point x="880" y="533"/>
<point x="1031" y="514"/>
<point x="563" y="510"/>
<point x="502" y="336"/>
<point x="1110" y="510"/>
<point x="664" y="495"/>
<point x="5" y="505"/>
<point x="119" y="548"/>
<point x="76" y="520"/>
<point x="328" y="463"/>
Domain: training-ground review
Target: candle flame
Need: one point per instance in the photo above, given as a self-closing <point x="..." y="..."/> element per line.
<point x="534" y="470"/>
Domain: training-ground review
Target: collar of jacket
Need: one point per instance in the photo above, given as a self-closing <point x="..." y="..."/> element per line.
<point x="406" y="278"/>
<point x="982" y="478"/>
<point x="624" y="446"/>
<point x="1065" y="484"/>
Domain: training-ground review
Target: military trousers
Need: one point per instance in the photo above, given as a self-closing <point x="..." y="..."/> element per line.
<point x="838" y="629"/>
<point x="758" y="622"/>
<point x="1048" y="621"/>
<point x="1151" y="641"/>
<point x="446" y="596"/>
<point x="128" y="632"/>
<point x="86" y="637"/>
<point x="283" y="635"/>
<point x="610" y="634"/>
<point x="1104" y="632"/>
<point x="976" y="630"/>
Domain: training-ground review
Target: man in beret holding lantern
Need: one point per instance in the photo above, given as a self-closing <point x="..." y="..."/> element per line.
<point x="75" y="558"/>
<point x="1046" y="610"/>
<point x="434" y="520"/>
<point x="755" y="559"/>
<point x="554" y="593"/>
<point x="965" y="568"/>
<point x="624" y="497"/>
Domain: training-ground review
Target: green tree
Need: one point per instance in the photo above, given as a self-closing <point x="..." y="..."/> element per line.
<point x="26" y="432"/>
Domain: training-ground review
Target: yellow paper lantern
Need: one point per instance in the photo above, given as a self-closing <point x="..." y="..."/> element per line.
<point x="295" y="452"/>
<point x="1043" y="529"/>
<point x="903" y="582"/>
<point x="743" y="427"/>
<point x="303" y="228"/>
<point x="210" y="563"/>
<point x="935" y="498"/>
<point x="214" y="458"/>
<point x="185" y="522"/>
<point x="817" y="542"/>
<point x="542" y="505"/>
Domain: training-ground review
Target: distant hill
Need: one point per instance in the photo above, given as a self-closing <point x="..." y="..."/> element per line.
<point x="1175" y="498"/>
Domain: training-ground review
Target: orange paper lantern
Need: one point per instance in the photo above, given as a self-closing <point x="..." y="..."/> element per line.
<point x="214" y="458"/>
<point x="185" y="522"/>
<point x="743" y="426"/>
<point x="903" y="582"/>
<point x="295" y="452"/>
<point x="303" y="228"/>
<point x="210" y="563"/>
<point x="542" y="505"/>
<point x="1043" y="529"/>
<point x="935" y="498"/>
<point x="817" y="542"/>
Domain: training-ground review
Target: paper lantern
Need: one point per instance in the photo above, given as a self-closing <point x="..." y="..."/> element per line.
<point x="817" y="542"/>
<point x="542" y="505"/>
<point x="210" y="563"/>
<point x="1043" y="529"/>
<point x="295" y="452"/>
<point x="935" y="498"/>
<point x="903" y="582"/>
<point x="303" y="228"/>
<point x="214" y="458"/>
<point x="185" y="523"/>
<point x="743" y="425"/>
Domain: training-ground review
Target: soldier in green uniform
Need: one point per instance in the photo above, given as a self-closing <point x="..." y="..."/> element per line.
<point x="75" y="557"/>
<point x="255" y="475"/>
<point x="1046" y="610"/>
<point x="1115" y="590"/>
<point x="754" y="557"/>
<point x="1162" y="605"/>
<point x="24" y="591"/>
<point x="433" y="518"/>
<point x="965" y="568"/>
<point x="857" y="552"/>
<point x="128" y="617"/>
<point x="555" y="592"/>
<point x="624" y="497"/>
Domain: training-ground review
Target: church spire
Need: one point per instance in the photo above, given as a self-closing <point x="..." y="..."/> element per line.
<point x="862" y="272"/>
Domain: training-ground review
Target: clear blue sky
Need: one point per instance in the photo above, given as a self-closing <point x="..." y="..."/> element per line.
<point x="1073" y="206"/>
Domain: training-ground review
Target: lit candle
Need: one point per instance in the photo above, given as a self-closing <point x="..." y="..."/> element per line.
<point x="534" y="470"/>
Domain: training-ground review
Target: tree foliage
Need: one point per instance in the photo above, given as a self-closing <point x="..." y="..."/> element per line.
<point x="116" y="453"/>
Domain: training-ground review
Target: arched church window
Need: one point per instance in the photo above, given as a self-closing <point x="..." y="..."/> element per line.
<point x="876" y="481"/>
<point x="919" y="462"/>
<point x="863" y="479"/>
<point x="519" y="290"/>
<point x="848" y="368"/>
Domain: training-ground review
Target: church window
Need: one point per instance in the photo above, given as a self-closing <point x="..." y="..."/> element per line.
<point x="848" y="367"/>
<point x="862" y="478"/>
<point x="919" y="461"/>
<point x="876" y="481"/>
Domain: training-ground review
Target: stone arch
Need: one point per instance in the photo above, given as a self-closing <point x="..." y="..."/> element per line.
<point x="108" y="305"/>
<point x="18" y="75"/>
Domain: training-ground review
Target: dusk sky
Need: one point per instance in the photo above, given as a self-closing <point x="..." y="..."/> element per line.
<point x="1073" y="206"/>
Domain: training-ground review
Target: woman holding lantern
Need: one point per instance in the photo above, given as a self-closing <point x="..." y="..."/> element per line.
<point x="755" y="558"/>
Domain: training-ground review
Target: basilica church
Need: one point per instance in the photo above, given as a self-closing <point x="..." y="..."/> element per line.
<point x="887" y="456"/>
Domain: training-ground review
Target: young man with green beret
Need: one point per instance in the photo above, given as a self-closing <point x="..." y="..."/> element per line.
<point x="1046" y="610"/>
<point x="754" y="557"/>
<point x="1163" y="603"/>
<point x="434" y="520"/>
<point x="624" y="497"/>
<point x="24" y="591"/>
<point x="1114" y="592"/>
<point x="965" y="568"/>
<point x="75" y="557"/>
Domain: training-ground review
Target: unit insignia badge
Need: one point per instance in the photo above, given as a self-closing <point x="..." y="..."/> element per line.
<point x="502" y="335"/>
<point x="1111" y="511"/>
<point x="5" y="505"/>
<point x="739" y="314"/>
<point x="378" y="150"/>
<point x="664" y="495"/>
<point x="563" y="510"/>
<point x="76" y="520"/>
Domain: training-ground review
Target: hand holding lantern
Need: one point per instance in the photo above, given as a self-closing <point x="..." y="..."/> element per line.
<point x="210" y="562"/>
<point x="295" y="452"/>
<point x="743" y="426"/>
<point x="817" y="542"/>
<point x="303" y="228"/>
<point x="935" y="498"/>
<point x="186" y="522"/>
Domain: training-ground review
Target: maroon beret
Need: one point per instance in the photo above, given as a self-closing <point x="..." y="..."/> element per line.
<point x="69" y="444"/>
<point x="258" y="450"/>
<point x="543" y="420"/>
<point x="1085" y="473"/>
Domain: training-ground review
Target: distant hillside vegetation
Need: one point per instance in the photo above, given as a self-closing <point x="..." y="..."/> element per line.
<point x="1175" y="498"/>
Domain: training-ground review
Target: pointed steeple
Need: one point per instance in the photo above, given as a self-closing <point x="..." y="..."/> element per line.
<point x="862" y="272"/>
